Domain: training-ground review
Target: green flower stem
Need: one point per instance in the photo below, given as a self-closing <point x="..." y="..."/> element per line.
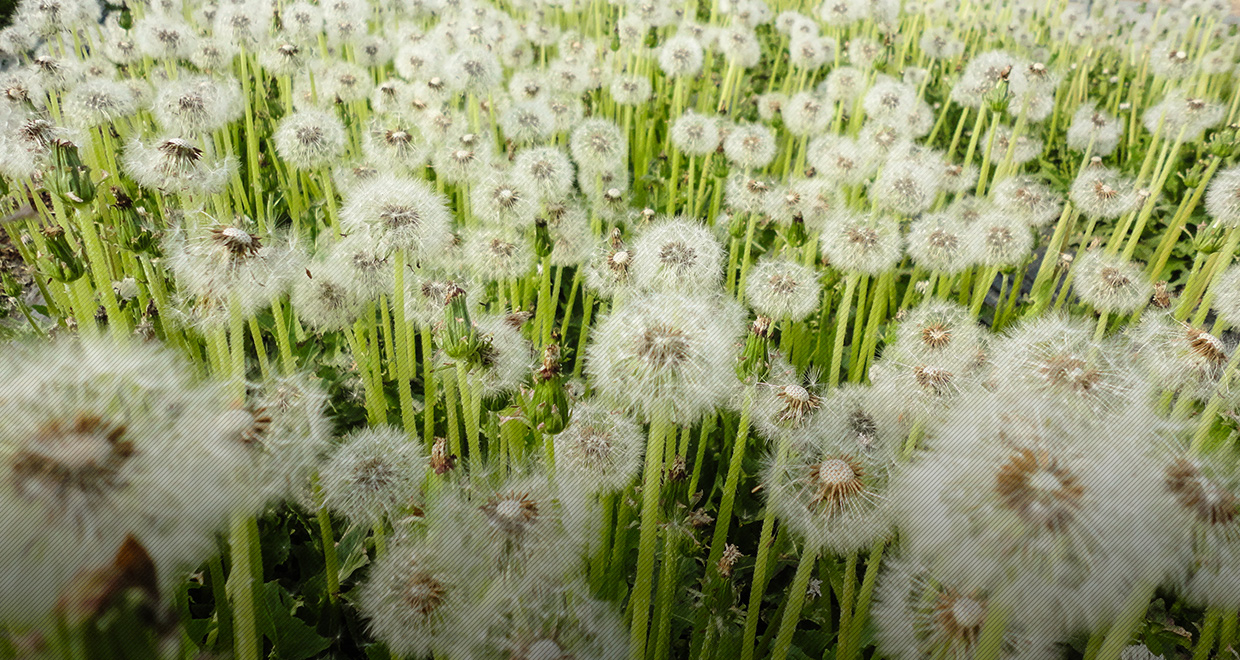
<point x="978" y="125"/>
<point x="990" y="641"/>
<point x="724" y="520"/>
<point x="964" y="116"/>
<point x="557" y="283"/>
<point x="980" y="286"/>
<point x="598" y="565"/>
<point x="100" y="271"/>
<point x="796" y="598"/>
<point x="373" y="412"/>
<point x="1094" y="643"/>
<point x="1071" y="275"/>
<point x="750" y="225"/>
<point x="1148" y="208"/>
<point x="331" y="563"/>
<point x="223" y="609"/>
<point x="864" y="598"/>
<point x="287" y="361"/>
<point x="401" y="351"/>
<point x="329" y="195"/>
<point x="251" y="142"/>
<point x="910" y="290"/>
<point x="260" y="350"/>
<point x="1126" y="622"/>
<point x="1172" y="234"/>
<point x="1222" y="261"/>
<point x="236" y="334"/>
<point x="1004" y="314"/>
<point x="730" y="78"/>
<point x="579" y="356"/>
<point x="990" y="145"/>
<point x="242" y="538"/>
<point x="674" y="178"/>
<point x="465" y="386"/>
<point x="845" y="598"/>
<point x="1043" y="288"/>
<point x="450" y="390"/>
<point x="758" y="586"/>
<point x="1227" y="631"/>
<point x="864" y="300"/>
<point x="708" y="427"/>
<point x="430" y="389"/>
<point x="217" y="351"/>
<point x="841" y="327"/>
<point x="1209" y="629"/>
<point x="616" y="581"/>
<point x="1100" y="328"/>
<point x="380" y="536"/>
<point x="700" y="195"/>
<point x="573" y="287"/>
<point x="734" y="250"/>
<point x="878" y="312"/>
<point x="669" y="574"/>
<point x="389" y="343"/>
<point x="639" y="600"/>
<point x="1195" y="283"/>
<point x="545" y="307"/>
<point x="68" y="638"/>
<point x="1006" y="166"/>
<point x="1210" y="413"/>
<point x="83" y="297"/>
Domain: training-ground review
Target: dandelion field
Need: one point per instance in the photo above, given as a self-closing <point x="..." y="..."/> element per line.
<point x="582" y="330"/>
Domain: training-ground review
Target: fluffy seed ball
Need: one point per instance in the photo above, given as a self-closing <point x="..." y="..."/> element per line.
<point x="666" y="351"/>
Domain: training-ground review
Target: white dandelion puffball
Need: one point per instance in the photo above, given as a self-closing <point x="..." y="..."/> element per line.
<point x="668" y="351"/>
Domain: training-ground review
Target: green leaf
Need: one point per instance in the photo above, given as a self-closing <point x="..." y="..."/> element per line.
<point x="352" y="547"/>
<point x="291" y="638"/>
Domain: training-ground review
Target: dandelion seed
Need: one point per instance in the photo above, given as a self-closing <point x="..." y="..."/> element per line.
<point x="783" y="289"/>
<point x="1101" y="192"/>
<point x="373" y="475"/>
<point x="831" y="492"/>
<point x="750" y="146"/>
<point x="600" y="450"/>
<point x="1111" y="283"/>
<point x="105" y="441"/>
<point x="677" y="254"/>
<point x="177" y="165"/>
<point x="1022" y="502"/>
<point x="918" y="616"/>
<point x="309" y="139"/>
<point x="1223" y="198"/>
<point x="421" y="594"/>
<point x="1092" y="125"/>
<point x="864" y="245"/>
<point x="196" y="106"/>
<point x="666" y="350"/>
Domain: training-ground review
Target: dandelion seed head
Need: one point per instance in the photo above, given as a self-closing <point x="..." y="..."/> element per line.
<point x="107" y="441"/>
<point x="1111" y="283"/>
<point x="373" y="475"/>
<point x="677" y="254"/>
<point x="666" y="350"/>
<point x="308" y="139"/>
